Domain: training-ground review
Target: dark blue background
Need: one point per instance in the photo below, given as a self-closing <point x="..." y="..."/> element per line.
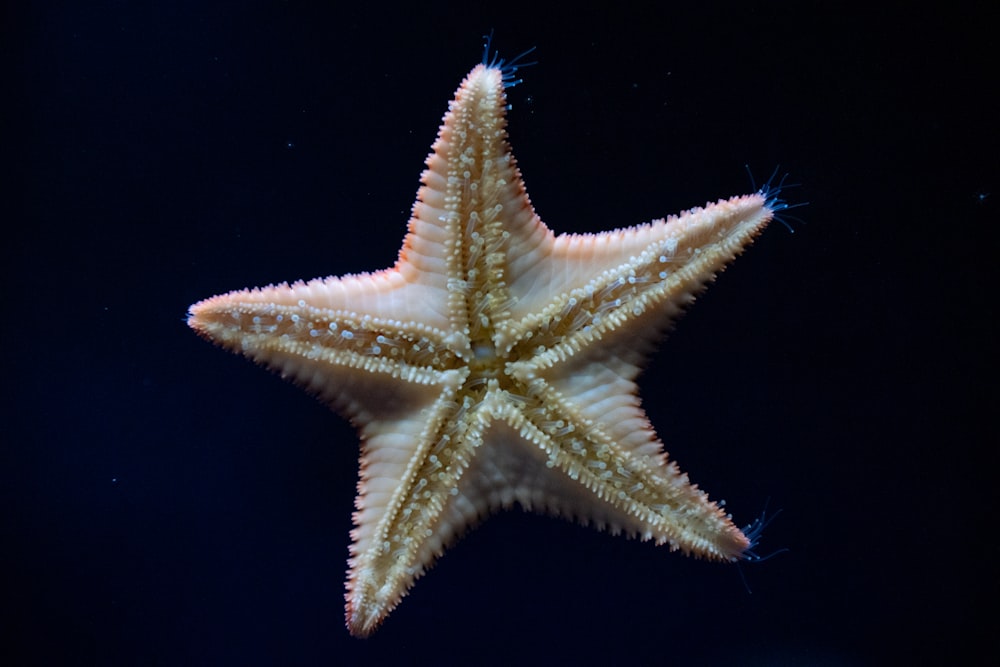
<point x="166" y="503"/>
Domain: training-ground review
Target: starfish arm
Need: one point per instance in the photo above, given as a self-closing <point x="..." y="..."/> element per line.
<point x="473" y="219"/>
<point x="364" y="367"/>
<point x="391" y="295"/>
<point x="573" y="260"/>
<point x="672" y="261"/>
<point x="402" y="525"/>
<point x="635" y="490"/>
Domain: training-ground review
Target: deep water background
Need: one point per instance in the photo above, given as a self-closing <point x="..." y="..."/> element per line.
<point x="163" y="502"/>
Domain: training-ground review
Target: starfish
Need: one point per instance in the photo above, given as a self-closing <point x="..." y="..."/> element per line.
<point x="495" y="363"/>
